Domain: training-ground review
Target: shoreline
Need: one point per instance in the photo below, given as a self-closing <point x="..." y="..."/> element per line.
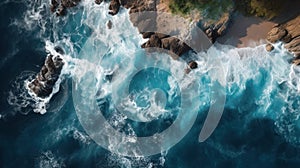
<point x="246" y="31"/>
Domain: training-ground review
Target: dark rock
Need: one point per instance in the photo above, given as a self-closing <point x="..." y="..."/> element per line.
<point x="54" y="5"/>
<point x="59" y="50"/>
<point x="163" y="41"/>
<point x="193" y="65"/>
<point x="69" y="3"/>
<point x="175" y="46"/>
<point x="45" y="80"/>
<point x="269" y="47"/>
<point x="98" y="1"/>
<point x="153" y="41"/>
<point x="114" y="7"/>
<point x="59" y="6"/>
<point x="287" y="38"/>
<point x="61" y="11"/>
<point x="147" y="34"/>
<point x="109" y="24"/>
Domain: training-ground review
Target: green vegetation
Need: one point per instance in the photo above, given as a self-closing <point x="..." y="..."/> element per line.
<point x="260" y="8"/>
<point x="212" y="9"/>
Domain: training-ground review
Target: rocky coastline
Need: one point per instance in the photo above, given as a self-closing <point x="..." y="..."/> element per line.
<point x="288" y="33"/>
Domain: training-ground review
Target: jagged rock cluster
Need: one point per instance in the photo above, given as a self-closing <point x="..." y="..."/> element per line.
<point x="163" y="41"/>
<point x="216" y="29"/>
<point x="156" y="40"/>
<point x="60" y="6"/>
<point x="289" y="34"/>
<point x="45" y="80"/>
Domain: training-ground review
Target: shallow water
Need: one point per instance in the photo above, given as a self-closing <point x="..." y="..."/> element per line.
<point x="260" y="124"/>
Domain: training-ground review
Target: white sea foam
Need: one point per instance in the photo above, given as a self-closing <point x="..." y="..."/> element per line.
<point x="49" y="160"/>
<point x="116" y="51"/>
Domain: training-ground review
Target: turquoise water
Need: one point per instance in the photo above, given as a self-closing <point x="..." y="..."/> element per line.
<point x="260" y="125"/>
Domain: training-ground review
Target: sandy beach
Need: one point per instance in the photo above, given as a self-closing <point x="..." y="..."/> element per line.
<point x="246" y="31"/>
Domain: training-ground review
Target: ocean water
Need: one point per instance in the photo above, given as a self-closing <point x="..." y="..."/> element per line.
<point x="259" y="127"/>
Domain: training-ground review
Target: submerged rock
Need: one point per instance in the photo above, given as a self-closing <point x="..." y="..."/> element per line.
<point x="289" y="34"/>
<point x="45" y="80"/>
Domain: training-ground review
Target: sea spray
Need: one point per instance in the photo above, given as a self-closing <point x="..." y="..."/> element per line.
<point x="274" y="80"/>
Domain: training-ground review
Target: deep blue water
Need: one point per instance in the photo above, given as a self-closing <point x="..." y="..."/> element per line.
<point x="260" y="125"/>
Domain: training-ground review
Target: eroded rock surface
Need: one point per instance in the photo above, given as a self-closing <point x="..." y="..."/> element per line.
<point x="60" y="6"/>
<point x="289" y="34"/>
<point x="215" y="29"/>
<point x="173" y="44"/>
<point x="45" y="80"/>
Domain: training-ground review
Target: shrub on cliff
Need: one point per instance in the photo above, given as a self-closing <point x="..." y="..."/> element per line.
<point x="212" y="9"/>
<point x="261" y="8"/>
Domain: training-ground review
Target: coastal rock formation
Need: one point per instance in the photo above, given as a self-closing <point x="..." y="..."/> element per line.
<point x="133" y="5"/>
<point x="289" y="34"/>
<point x="172" y="44"/>
<point x="213" y="30"/>
<point x="60" y="6"/>
<point x="45" y="80"/>
<point x="114" y="7"/>
<point x="269" y="47"/>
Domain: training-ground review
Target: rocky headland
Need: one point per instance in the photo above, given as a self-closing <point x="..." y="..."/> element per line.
<point x="288" y="33"/>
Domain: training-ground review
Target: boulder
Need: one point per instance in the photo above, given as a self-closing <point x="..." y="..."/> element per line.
<point x="163" y="41"/>
<point x="193" y="65"/>
<point x="109" y="24"/>
<point x="114" y="7"/>
<point x="269" y="47"/>
<point x="154" y="41"/>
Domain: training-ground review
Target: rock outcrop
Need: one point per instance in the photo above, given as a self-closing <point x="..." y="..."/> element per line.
<point x="60" y="6"/>
<point x="289" y="34"/>
<point x="133" y="5"/>
<point x="114" y="7"/>
<point x="45" y="80"/>
<point x="213" y="30"/>
<point x="173" y="44"/>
